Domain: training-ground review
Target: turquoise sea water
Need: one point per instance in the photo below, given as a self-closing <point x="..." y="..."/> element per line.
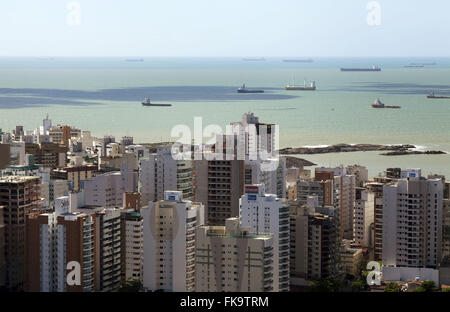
<point x="103" y="95"/>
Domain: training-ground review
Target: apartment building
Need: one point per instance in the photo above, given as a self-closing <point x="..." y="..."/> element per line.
<point x="255" y="138"/>
<point x="363" y="217"/>
<point x="218" y="185"/>
<point x="231" y="258"/>
<point x="5" y="155"/>
<point x="78" y="247"/>
<point x="132" y="244"/>
<point x="2" y="250"/>
<point x="344" y="190"/>
<point x="61" y="243"/>
<point x="20" y="197"/>
<point x="169" y="242"/>
<point x="105" y="190"/>
<point x="62" y="134"/>
<point x="161" y="172"/>
<point x="446" y="224"/>
<point x="266" y="213"/>
<point x="109" y="253"/>
<point x="412" y="223"/>
<point x="74" y="174"/>
<point x="274" y="180"/>
<point x="314" y="239"/>
<point x="49" y="155"/>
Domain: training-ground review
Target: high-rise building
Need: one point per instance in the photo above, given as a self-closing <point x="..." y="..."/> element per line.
<point x="360" y="172"/>
<point x="314" y="241"/>
<point x="49" y="155"/>
<point x="161" y="172"/>
<point x="62" y="134"/>
<point x="56" y="242"/>
<point x="74" y="174"/>
<point x="446" y="224"/>
<point x="169" y="242"/>
<point x="412" y="223"/>
<point x="255" y="137"/>
<point x="132" y="244"/>
<point x="231" y="258"/>
<point x="2" y="250"/>
<point x="344" y="190"/>
<point x="75" y="249"/>
<point x="5" y="155"/>
<point x="274" y="181"/>
<point x="105" y="190"/>
<point x="265" y="213"/>
<point x="108" y="226"/>
<point x="20" y="196"/>
<point x="218" y="185"/>
<point x="363" y="217"/>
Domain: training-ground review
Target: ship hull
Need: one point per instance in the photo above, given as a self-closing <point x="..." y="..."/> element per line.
<point x="438" y="97"/>
<point x="360" y="69"/>
<point x="385" y="106"/>
<point x="300" y="89"/>
<point x="146" y="104"/>
<point x="250" y="91"/>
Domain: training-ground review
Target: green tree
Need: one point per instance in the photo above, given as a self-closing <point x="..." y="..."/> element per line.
<point x="359" y="286"/>
<point x="429" y="286"/>
<point x="326" y="285"/>
<point x="130" y="286"/>
<point x="393" y="287"/>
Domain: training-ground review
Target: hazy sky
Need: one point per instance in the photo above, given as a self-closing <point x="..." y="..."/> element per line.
<point x="223" y="28"/>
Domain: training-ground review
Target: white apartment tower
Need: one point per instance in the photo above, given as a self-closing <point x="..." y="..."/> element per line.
<point x="105" y="190"/>
<point x="265" y="213"/>
<point x="169" y="243"/>
<point x="363" y="217"/>
<point x="412" y="223"/>
<point x="161" y="172"/>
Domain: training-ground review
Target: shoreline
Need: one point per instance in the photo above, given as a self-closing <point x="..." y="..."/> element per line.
<point x="391" y="150"/>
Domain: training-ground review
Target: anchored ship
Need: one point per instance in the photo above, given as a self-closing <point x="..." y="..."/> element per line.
<point x="254" y="59"/>
<point x="371" y="69"/>
<point x="312" y="86"/>
<point x="243" y="89"/>
<point x="147" y="102"/>
<point x="433" y="96"/>
<point x="298" y="61"/>
<point x="424" y="64"/>
<point x="379" y="104"/>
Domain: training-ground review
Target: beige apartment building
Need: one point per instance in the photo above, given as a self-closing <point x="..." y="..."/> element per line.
<point x="231" y="259"/>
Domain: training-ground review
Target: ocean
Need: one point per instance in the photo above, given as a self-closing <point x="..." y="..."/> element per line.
<point x="103" y="95"/>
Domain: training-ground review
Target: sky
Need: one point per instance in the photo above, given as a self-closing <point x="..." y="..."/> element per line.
<point x="190" y="28"/>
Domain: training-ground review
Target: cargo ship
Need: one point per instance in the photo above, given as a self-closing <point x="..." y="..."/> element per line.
<point x="255" y="59"/>
<point x="147" y="102"/>
<point x="312" y="87"/>
<point x="433" y="96"/>
<point x="371" y="69"/>
<point x="379" y="104"/>
<point x="424" y="64"/>
<point x="298" y="61"/>
<point x="244" y="89"/>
